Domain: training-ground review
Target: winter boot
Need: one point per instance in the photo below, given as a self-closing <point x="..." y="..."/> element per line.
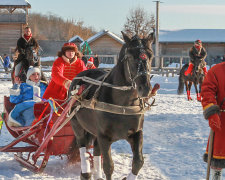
<point x="204" y="70"/>
<point x="190" y="67"/>
<point x="216" y="174"/>
<point x="199" y="98"/>
<point x="189" y="96"/>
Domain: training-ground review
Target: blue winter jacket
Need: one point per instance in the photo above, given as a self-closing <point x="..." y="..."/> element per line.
<point x="6" y="62"/>
<point x="25" y="96"/>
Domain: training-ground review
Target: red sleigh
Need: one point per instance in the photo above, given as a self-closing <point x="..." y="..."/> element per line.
<point x="42" y="140"/>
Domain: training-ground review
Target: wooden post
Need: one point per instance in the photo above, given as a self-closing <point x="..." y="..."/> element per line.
<point x="181" y="62"/>
<point x="115" y="59"/>
<point x="210" y="153"/>
<point x="161" y="62"/>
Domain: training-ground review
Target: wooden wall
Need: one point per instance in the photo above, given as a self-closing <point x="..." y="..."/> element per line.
<point x="105" y="45"/>
<point x="182" y="49"/>
<point x="9" y="34"/>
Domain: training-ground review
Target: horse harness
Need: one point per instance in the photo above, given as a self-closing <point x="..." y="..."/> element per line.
<point x="94" y="104"/>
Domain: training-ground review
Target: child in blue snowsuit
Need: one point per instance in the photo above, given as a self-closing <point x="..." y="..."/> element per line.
<point x="25" y="96"/>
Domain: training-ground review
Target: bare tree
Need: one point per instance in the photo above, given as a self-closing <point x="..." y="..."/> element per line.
<point x="139" y="22"/>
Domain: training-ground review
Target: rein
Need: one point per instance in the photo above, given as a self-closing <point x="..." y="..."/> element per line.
<point x="102" y="83"/>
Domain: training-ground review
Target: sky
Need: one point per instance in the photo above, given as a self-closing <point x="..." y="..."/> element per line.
<point x="111" y="15"/>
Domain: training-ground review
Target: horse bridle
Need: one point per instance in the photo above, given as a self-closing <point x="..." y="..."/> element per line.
<point x="141" y="59"/>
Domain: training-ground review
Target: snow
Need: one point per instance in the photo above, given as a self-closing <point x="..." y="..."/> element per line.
<point x="175" y="137"/>
<point x="190" y="35"/>
<point x="14" y="2"/>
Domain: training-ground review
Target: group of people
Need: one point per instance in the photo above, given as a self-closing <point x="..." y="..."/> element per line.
<point x="69" y="63"/>
<point x="26" y="94"/>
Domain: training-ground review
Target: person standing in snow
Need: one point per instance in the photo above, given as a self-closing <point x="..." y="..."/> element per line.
<point x="213" y="102"/>
<point x="197" y="52"/>
<point x="7" y="62"/>
<point x="64" y="69"/>
<point x="96" y="61"/>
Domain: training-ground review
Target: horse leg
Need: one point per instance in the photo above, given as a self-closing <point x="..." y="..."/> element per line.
<point x="189" y="91"/>
<point x="82" y="140"/>
<point x="196" y="91"/>
<point x="97" y="161"/>
<point x="136" y="143"/>
<point x="105" y="147"/>
<point x="199" y="97"/>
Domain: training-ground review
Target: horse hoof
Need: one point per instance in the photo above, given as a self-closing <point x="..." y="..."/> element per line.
<point x="85" y="176"/>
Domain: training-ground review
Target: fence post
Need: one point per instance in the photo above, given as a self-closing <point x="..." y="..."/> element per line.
<point x="181" y="62"/>
<point x="161" y="62"/>
<point x="115" y="59"/>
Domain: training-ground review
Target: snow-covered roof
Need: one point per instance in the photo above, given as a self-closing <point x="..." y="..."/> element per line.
<point x="190" y="35"/>
<point x="101" y="33"/>
<point x="14" y="3"/>
<point x="76" y="37"/>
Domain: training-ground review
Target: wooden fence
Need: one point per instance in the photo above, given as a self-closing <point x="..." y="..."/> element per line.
<point x="164" y="68"/>
<point x="166" y="61"/>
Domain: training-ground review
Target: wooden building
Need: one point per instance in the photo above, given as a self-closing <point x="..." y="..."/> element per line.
<point x="13" y="18"/>
<point x="179" y="42"/>
<point x="105" y="44"/>
<point x="77" y="40"/>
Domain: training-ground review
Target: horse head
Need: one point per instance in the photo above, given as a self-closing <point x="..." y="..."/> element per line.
<point x="197" y="65"/>
<point x="31" y="56"/>
<point x="136" y="56"/>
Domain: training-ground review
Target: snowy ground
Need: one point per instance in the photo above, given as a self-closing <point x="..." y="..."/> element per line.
<point x="175" y="136"/>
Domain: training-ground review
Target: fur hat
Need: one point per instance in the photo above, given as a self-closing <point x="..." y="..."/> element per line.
<point x="69" y="46"/>
<point x="32" y="70"/>
<point x="91" y="60"/>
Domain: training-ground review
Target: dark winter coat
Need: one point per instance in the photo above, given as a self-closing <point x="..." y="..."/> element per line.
<point x="96" y="61"/>
<point x="197" y="54"/>
<point x="213" y="93"/>
<point x="22" y="45"/>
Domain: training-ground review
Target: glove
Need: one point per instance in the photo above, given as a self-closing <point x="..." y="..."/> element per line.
<point x="155" y="89"/>
<point x="214" y="122"/>
<point x="67" y="84"/>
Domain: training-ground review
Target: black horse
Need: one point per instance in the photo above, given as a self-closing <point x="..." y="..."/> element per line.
<point x="131" y="76"/>
<point x="196" y="77"/>
<point x="29" y="58"/>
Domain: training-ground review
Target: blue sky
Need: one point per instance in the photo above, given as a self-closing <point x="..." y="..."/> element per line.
<point x="111" y="15"/>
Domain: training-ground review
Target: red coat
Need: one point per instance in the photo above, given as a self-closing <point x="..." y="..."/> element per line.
<point x="62" y="71"/>
<point x="91" y="66"/>
<point x="213" y="93"/>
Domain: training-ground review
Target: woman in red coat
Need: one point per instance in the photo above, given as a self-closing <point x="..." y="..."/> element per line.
<point x="64" y="69"/>
<point x="213" y="102"/>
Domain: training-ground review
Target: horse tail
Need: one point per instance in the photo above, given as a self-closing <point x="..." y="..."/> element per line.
<point x="180" y="89"/>
<point x="74" y="153"/>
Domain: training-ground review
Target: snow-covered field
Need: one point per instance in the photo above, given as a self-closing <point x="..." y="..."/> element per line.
<point x="175" y="136"/>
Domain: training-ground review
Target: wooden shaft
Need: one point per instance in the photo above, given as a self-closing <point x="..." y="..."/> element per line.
<point x="210" y="151"/>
